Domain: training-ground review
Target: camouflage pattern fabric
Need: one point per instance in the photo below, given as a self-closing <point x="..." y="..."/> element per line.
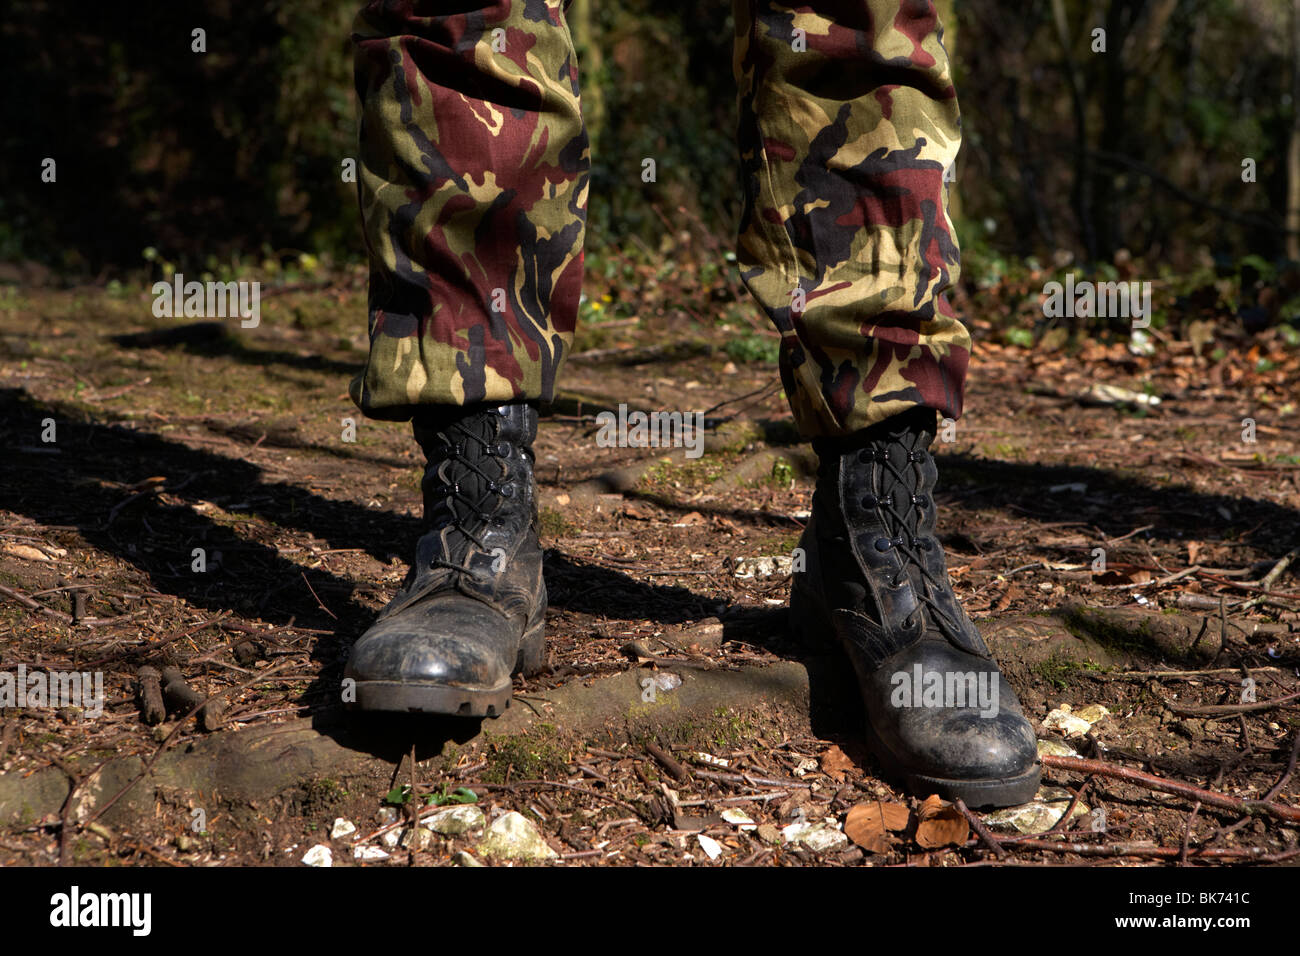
<point x="473" y="184"/>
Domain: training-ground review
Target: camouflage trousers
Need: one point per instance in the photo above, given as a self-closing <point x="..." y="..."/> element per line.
<point x="473" y="177"/>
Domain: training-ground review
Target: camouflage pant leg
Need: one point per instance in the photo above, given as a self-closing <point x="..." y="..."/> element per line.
<point x="848" y="121"/>
<point x="473" y="185"/>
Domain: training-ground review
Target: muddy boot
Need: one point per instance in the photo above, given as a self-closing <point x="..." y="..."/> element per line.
<point x="939" y="714"/>
<point x="471" y="612"/>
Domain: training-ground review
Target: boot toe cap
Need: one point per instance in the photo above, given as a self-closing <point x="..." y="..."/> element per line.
<point x="450" y="644"/>
<point x="960" y="744"/>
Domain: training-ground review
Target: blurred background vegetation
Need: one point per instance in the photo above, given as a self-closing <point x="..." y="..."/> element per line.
<point x="234" y="155"/>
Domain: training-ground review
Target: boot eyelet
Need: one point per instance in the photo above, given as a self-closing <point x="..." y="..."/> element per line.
<point x="503" y="450"/>
<point x="870" y="501"/>
<point x="920" y="501"/>
<point x="507" y="490"/>
<point x="883" y="544"/>
<point x="915" y="456"/>
<point x="865" y="456"/>
<point x="887" y="501"/>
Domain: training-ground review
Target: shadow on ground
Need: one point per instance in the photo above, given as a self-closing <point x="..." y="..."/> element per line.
<point x="85" y="480"/>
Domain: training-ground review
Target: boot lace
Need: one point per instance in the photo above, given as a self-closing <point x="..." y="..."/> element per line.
<point x="455" y="505"/>
<point x="901" y="506"/>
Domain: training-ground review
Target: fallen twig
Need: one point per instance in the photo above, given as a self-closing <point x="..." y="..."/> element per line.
<point x="670" y="763"/>
<point x="27" y="602"/>
<point x="1259" y="853"/>
<point x="1151" y="781"/>
<point x="750" y="779"/>
<point x="181" y="696"/>
<point x="149" y="693"/>
<point x="978" y="826"/>
<point x="148" y="766"/>
<point x="1220" y="710"/>
<point x="1268" y="580"/>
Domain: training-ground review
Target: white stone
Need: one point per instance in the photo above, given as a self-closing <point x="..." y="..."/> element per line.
<point x="820" y="837"/>
<point x="711" y="847"/>
<point x="319" y="855"/>
<point x="455" y="820"/>
<point x="514" y="837"/>
<point x="739" y="818"/>
<point x="417" y="839"/>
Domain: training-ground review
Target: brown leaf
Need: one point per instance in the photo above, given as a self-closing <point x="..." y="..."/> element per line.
<point x="835" y="762"/>
<point x="941" y="824"/>
<point x="1123" y="575"/>
<point x="868" y="824"/>
<point x="634" y="509"/>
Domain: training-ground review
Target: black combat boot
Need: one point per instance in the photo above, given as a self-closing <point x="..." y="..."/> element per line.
<point x="471" y="612"/>
<point x="939" y="714"/>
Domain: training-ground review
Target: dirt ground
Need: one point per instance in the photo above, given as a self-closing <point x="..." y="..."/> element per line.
<point x="175" y="435"/>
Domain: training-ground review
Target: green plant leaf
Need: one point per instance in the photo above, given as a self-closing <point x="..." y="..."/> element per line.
<point x="398" y="795"/>
<point x="459" y="795"/>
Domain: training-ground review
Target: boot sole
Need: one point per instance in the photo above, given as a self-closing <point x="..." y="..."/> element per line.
<point x="814" y="631"/>
<point x="429" y="697"/>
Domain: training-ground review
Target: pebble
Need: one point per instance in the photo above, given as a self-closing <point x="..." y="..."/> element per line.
<point x="319" y="855"/>
<point x="514" y="837"/>
<point x="455" y="820"/>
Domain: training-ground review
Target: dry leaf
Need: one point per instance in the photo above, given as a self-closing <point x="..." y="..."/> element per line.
<point x="1123" y="576"/>
<point x="26" y="552"/>
<point x="835" y="762"/>
<point x="868" y="824"/>
<point x="941" y="824"/>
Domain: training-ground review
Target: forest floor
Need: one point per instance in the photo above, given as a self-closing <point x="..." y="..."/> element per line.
<point x="174" y="435"/>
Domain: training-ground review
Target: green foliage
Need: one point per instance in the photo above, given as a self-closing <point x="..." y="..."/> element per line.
<point x="229" y="160"/>
<point x="754" y="348"/>
<point x="782" y="473"/>
<point x="400" y="796"/>
<point x="1018" y="336"/>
